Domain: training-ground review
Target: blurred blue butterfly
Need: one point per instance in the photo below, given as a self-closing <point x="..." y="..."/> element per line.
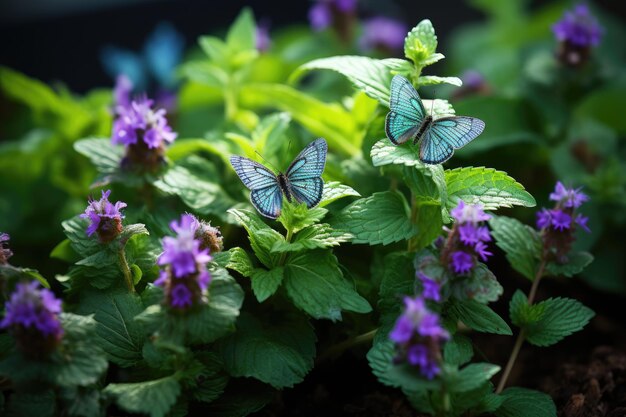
<point x="162" y="52"/>
<point x="302" y="181"/>
<point x="407" y="119"/>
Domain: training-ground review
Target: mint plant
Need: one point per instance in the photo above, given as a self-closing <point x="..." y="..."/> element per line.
<point x="176" y="296"/>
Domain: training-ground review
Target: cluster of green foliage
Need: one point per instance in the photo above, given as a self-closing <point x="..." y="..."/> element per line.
<point x="347" y="260"/>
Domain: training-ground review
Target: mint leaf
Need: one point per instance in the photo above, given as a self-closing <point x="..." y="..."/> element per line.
<point x="421" y="43"/>
<point x="398" y="279"/>
<point x="560" y="317"/>
<point x="384" y="153"/>
<point x="119" y="334"/>
<point x="482" y="286"/>
<point x="317" y="236"/>
<point x="334" y="190"/>
<point x="243" y="396"/>
<point x="458" y="350"/>
<point x="316" y="285"/>
<point x="434" y="80"/>
<point x="521" y="244"/>
<point x="155" y="397"/>
<point x="238" y="260"/>
<point x="479" y="317"/>
<point x="521" y="313"/>
<point x="280" y="354"/>
<point x="296" y="216"/>
<point x="372" y="76"/>
<point x="472" y="376"/>
<point x="262" y="237"/>
<point x="265" y="283"/>
<point x="382" y="218"/>
<point x="522" y="402"/>
<point x="241" y="35"/>
<point x="576" y="263"/>
<point x="485" y="186"/>
<point x="101" y="153"/>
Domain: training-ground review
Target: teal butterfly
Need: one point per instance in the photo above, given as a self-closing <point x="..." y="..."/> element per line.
<point x="407" y="119"/>
<point x="302" y="181"/>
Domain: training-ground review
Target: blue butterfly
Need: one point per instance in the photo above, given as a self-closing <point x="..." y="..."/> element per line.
<point x="301" y="182"/>
<point x="407" y="119"/>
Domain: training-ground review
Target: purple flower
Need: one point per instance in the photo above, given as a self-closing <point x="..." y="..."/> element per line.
<point x="32" y="313"/>
<point x="185" y="264"/>
<point x="582" y="222"/>
<point x="469" y="213"/>
<point x="544" y="218"/>
<point x="560" y="219"/>
<point x="105" y="217"/>
<point x="140" y="121"/>
<point x="122" y="91"/>
<point x="383" y="33"/>
<point x="418" y="333"/>
<point x="473" y="79"/>
<point x="324" y="12"/>
<point x="578" y="27"/>
<point x="431" y="288"/>
<point x="481" y="251"/>
<point x="5" y="253"/>
<point x="263" y="40"/>
<point x="462" y="262"/>
<point x="568" y="197"/>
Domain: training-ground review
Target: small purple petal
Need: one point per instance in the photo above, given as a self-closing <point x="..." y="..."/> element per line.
<point x="462" y="262"/>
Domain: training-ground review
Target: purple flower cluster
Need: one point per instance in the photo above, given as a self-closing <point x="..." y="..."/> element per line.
<point x="105" y="217"/>
<point x="467" y="241"/>
<point x="143" y="130"/>
<point x="578" y="27"/>
<point x="5" y="253"/>
<point x="32" y="314"/>
<point x="383" y="33"/>
<point x="418" y="335"/>
<point x="184" y="277"/>
<point x="577" y="32"/>
<point x="559" y="223"/>
<point x="263" y="40"/>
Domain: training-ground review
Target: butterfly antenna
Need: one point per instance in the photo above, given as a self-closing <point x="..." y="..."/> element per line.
<point x="267" y="162"/>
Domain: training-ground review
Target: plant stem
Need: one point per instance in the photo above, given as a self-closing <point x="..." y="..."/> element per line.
<point x="346" y="344"/>
<point x="283" y="257"/>
<point x="522" y="334"/>
<point x="128" y="277"/>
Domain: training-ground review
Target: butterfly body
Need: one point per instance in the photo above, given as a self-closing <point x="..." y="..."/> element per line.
<point x="407" y="119"/>
<point x="301" y="182"/>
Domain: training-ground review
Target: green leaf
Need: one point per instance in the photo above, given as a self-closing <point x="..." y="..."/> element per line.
<point x="472" y="376"/>
<point x="280" y="355"/>
<point x="421" y="43"/>
<point x="317" y="236"/>
<point x="316" y="285"/>
<point x="479" y="317"/>
<point x="102" y="154"/>
<point x="434" y="80"/>
<point x="522" y="402"/>
<point x="64" y="252"/>
<point x="380" y="358"/>
<point x="382" y="218"/>
<point x="334" y="190"/>
<point x="119" y="334"/>
<point x="155" y="397"/>
<point x="560" y="317"/>
<point x="243" y="396"/>
<point x="214" y="47"/>
<point x="330" y="121"/>
<point x="485" y="186"/>
<point x="521" y="244"/>
<point x="262" y="237"/>
<point x="238" y="260"/>
<point x="429" y="190"/>
<point x="296" y="216"/>
<point x="576" y="263"/>
<point x="398" y="279"/>
<point x="384" y="153"/>
<point x="372" y="76"/>
<point x="241" y="35"/>
<point x="265" y="283"/>
<point x="458" y="351"/>
<point x="481" y="286"/>
<point x="196" y="182"/>
<point x="521" y="313"/>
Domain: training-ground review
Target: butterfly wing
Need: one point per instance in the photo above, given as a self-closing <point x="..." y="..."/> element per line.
<point x="265" y="193"/>
<point x="303" y="175"/>
<point x="447" y="134"/>
<point x="406" y="111"/>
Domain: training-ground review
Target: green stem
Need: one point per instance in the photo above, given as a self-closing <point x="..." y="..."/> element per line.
<point x="283" y="257"/>
<point x="521" y="337"/>
<point x="336" y="350"/>
<point x="230" y="100"/>
<point x="128" y="277"/>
